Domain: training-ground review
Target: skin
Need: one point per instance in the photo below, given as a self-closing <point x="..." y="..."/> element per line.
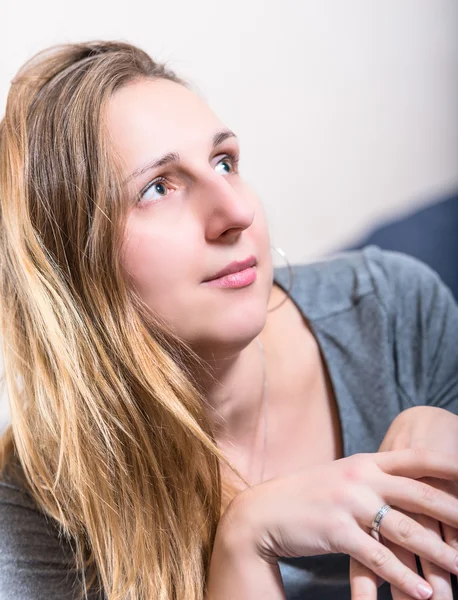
<point x="201" y="217"/>
<point x="418" y="427"/>
<point x="208" y="218"/>
<point x="186" y="227"/>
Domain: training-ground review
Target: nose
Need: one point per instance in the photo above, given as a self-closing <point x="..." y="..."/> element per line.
<point x="228" y="210"/>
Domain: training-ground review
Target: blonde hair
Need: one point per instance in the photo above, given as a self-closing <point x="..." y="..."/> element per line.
<point x="109" y="428"/>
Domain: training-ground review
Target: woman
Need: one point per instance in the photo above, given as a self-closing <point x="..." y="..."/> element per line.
<point x="156" y="376"/>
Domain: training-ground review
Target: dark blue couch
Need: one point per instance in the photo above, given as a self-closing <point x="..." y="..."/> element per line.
<point x="430" y="234"/>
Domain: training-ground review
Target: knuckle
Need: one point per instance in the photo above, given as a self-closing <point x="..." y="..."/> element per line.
<point x="379" y="558"/>
<point x="426" y="493"/>
<point x="338" y="531"/>
<point x="339" y="523"/>
<point x="421" y="453"/>
<point x="426" y="456"/>
<point x="405" y="579"/>
<point x="354" y="468"/>
<point x="441" y="554"/>
<point x="406" y="528"/>
<point x="345" y="495"/>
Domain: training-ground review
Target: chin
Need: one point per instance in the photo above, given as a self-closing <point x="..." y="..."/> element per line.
<point x="239" y="334"/>
<point x="231" y="331"/>
<point x="227" y="323"/>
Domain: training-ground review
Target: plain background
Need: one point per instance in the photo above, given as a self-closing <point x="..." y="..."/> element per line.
<point x="347" y="111"/>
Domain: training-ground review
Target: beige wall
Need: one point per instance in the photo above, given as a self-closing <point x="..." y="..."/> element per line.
<point x="347" y="110"/>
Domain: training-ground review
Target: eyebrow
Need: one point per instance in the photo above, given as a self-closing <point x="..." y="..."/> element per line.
<point x="174" y="157"/>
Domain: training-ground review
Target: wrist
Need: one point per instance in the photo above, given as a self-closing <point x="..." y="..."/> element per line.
<point x="237" y="568"/>
<point x="239" y="530"/>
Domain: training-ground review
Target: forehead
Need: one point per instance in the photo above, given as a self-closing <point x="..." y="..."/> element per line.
<point x="152" y="117"/>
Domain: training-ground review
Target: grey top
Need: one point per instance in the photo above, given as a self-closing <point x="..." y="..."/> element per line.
<point x="388" y="331"/>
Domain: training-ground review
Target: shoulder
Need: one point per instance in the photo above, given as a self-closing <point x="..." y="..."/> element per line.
<point x="14" y="497"/>
<point x="35" y="562"/>
<point x="341" y="282"/>
<point x="386" y="307"/>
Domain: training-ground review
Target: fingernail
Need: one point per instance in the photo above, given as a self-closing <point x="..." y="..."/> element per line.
<point x="424" y="591"/>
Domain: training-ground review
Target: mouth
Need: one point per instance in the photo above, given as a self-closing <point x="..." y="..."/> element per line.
<point x="234" y="275"/>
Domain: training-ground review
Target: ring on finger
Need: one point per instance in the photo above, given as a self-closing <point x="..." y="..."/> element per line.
<point x="378" y="520"/>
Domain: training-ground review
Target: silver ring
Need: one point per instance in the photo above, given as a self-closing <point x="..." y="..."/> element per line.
<point x="378" y="520"/>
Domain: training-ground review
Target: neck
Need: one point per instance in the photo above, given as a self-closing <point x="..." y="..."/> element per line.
<point x="233" y="385"/>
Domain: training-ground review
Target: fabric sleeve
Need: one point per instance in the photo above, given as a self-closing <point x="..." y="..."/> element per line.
<point x="35" y="564"/>
<point x="423" y="317"/>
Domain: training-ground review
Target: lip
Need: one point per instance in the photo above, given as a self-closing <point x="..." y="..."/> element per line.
<point x="233" y="267"/>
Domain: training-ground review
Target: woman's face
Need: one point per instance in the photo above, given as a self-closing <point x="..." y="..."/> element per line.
<point x="190" y="216"/>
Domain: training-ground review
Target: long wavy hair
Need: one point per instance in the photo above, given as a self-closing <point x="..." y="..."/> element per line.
<point x="108" y="426"/>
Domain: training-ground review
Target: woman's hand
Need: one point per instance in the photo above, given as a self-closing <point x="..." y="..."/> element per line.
<point x="423" y="427"/>
<point x="418" y="427"/>
<point x="330" y="508"/>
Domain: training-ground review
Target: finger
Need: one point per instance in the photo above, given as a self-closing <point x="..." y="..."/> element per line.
<point x="363" y="581"/>
<point x="404" y="531"/>
<point x="418" y="462"/>
<point x="379" y="559"/>
<point x="451" y="487"/>
<point x="420" y="497"/>
<point x="450" y="535"/>
<point x="408" y="559"/>
<point x="438" y="578"/>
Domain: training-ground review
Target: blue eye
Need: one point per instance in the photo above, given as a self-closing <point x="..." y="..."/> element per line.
<point x="155" y="190"/>
<point x="161" y="187"/>
<point x="227" y="165"/>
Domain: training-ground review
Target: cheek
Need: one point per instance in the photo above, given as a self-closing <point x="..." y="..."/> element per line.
<point x="158" y="262"/>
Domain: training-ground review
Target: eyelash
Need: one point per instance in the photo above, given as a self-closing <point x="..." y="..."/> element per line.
<point x="234" y="158"/>
<point x="151" y="184"/>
